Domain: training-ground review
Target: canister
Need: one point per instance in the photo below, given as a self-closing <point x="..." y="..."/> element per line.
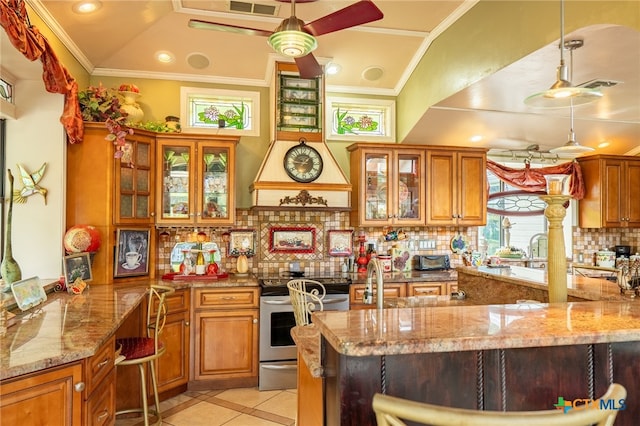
<point x="385" y="262"/>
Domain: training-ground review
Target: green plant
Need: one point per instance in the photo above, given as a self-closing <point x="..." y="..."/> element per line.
<point x="99" y="104"/>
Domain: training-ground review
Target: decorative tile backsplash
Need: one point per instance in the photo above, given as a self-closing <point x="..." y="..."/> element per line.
<point x="320" y="263"/>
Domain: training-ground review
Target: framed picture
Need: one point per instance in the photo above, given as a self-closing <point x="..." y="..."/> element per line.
<point x="292" y="240"/>
<point x="241" y="241"/>
<point x="77" y="266"/>
<point x="132" y="253"/>
<point x="340" y="243"/>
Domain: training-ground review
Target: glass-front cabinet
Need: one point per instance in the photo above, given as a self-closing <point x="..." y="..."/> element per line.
<point x="134" y="198"/>
<point x="390" y="186"/>
<point x="196" y="181"/>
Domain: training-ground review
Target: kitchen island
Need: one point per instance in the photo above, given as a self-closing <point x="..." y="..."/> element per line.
<point x="492" y="357"/>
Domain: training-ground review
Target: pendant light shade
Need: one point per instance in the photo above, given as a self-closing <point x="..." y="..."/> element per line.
<point x="563" y="93"/>
<point x="290" y="40"/>
<point x="571" y="147"/>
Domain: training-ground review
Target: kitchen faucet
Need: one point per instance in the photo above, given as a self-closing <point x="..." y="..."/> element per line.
<point x="374" y="268"/>
<point x="540" y="234"/>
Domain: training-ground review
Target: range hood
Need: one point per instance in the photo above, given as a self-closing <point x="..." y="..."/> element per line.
<point x="274" y="189"/>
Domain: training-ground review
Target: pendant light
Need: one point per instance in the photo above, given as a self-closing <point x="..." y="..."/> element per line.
<point x="562" y="93"/>
<point x="571" y="147"/>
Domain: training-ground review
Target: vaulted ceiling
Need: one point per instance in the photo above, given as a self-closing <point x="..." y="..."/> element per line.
<point x="377" y="58"/>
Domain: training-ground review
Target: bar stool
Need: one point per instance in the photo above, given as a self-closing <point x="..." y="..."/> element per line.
<point x="145" y="350"/>
<point x="389" y="410"/>
<point x="305" y="301"/>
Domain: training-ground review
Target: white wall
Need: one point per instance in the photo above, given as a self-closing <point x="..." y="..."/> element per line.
<point x="35" y="137"/>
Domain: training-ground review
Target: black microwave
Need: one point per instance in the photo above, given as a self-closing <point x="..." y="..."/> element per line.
<point x="437" y="262"/>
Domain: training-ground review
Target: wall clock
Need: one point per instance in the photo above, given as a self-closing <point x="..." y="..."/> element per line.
<point x="303" y="163"/>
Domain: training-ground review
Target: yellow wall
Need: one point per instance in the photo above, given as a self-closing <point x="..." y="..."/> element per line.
<point x="492" y="35"/>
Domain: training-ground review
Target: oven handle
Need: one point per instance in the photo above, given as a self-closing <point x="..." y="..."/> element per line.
<point x="288" y="301"/>
<point x="279" y="367"/>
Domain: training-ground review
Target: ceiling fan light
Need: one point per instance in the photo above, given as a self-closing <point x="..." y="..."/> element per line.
<point x="293" y="44"/>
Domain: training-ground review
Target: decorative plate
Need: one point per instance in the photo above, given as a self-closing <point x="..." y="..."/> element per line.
<point x="459" y="244"/>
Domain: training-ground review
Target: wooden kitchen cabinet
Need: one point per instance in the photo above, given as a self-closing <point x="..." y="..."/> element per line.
<point x="426" y="289"/>
<point x="225" y="337"/>
<point x="611" y="192"/>
<point x="172" y="368"/>
<point x="391" y="290"/>
<point x="457" y="187"/>
<point x="116" y="192"/>
<point x="196" y="180"/>
<point x="387" y="185"/>
<point x="51" y="397"/>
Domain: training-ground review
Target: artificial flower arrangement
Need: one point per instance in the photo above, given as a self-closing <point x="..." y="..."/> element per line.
<point x="101" y="104"/>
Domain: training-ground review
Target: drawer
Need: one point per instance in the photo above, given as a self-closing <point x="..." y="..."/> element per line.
<point x="100" y="365"/>
<point x="426" y="289"/>
<point x="176" y="302"/>
<point x="101" y="406"/>
<point x="356" y="292"/>
<point x="227" y="298"/>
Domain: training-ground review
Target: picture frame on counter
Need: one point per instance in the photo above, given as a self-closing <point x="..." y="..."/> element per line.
<point x="241" y="241"/>
<point x="132" y="252"/>
<point x="340" y="243"/>
<point x="292" y="240"/>
<point x="75" y="266"/>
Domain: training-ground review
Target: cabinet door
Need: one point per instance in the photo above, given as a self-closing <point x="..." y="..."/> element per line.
<point x="134" y="182"/>
<point x="176" y="204"/>
<point x="172" y="368"/>
<point x="391" y="290"/>
<point x="472" y="189"/>
<point x="375" y="188"/>
<point x="409" y="190"/>
<point x="442" y="190"/>
<point x="49" y="398"/>
<point x="631" y="194"/>
<point x="226" y="344"/>
<point x="614" y="203"/>
<point x="216" y="183"/>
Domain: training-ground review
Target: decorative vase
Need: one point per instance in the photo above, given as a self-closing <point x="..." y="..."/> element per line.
<point x="131" y="107"/>
<point x="9" y="268"/>
<point x="242" y="264"/>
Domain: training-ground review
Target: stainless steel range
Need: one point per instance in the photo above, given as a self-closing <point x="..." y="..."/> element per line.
<point x="278" y="364"/>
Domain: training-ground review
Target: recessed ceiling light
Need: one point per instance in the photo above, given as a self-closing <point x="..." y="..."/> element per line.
<point x="475" y="138"/>
<point x="332" y="68"/>
<point x="165" y="56"/>
<point x="86" y="6"/>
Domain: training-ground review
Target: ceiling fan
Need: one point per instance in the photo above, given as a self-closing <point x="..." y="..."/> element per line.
<point x="295" y="39"/>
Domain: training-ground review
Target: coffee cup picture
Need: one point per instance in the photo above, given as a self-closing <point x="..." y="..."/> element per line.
<point x="133" y="259"/>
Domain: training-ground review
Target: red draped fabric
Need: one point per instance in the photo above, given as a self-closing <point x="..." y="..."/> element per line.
<point x="532" y="180"/>
<point x="33" y="45"/>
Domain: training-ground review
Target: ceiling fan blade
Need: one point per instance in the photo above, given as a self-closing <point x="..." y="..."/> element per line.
<point x="358" y="13"/>
<point x="308" y="66"/>
<point x="206" y="25"/>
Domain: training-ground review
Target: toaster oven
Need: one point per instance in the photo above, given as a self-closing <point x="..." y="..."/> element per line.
<point x="437" y="262"/>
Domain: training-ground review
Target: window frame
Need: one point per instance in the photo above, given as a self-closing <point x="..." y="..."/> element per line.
<point x="385" y="107"/>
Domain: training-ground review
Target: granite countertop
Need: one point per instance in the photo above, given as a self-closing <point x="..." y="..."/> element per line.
<point x="577" y="285"/>
<point x="307" y="339"/>
<point x="67" y="328"/>
<point x="464" y="328"/>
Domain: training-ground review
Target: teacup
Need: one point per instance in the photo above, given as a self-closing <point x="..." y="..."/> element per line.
<point x="133" y="258"/>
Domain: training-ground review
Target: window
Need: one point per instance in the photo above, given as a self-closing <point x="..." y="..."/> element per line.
<point x="7" y="105"/>
<point x="230" y="111"/>
<point x="360" y="119"/>
<point x="524" y="214"/>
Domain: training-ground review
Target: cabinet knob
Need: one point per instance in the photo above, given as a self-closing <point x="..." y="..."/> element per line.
<point x="255" y="320"/>
<point x="152" y="214"/>
<point x="186" y="323"/>
<point x="79" y="387"/>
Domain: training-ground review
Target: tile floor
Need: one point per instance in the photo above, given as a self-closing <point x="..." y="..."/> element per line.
<point x="231" y="407"/>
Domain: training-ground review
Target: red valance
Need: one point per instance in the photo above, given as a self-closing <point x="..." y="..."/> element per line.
<point x="33" y="45"/>
<point x="532" y="180"/>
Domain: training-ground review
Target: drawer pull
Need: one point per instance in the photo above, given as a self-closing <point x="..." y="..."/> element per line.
<point x="103" y="415"/>
<point x="103" y="363"/>
<point x="79" y="387"/>
<point x="229" y="298"/>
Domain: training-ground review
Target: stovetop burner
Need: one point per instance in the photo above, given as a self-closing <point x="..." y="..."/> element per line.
<point x="277" y="284"/>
